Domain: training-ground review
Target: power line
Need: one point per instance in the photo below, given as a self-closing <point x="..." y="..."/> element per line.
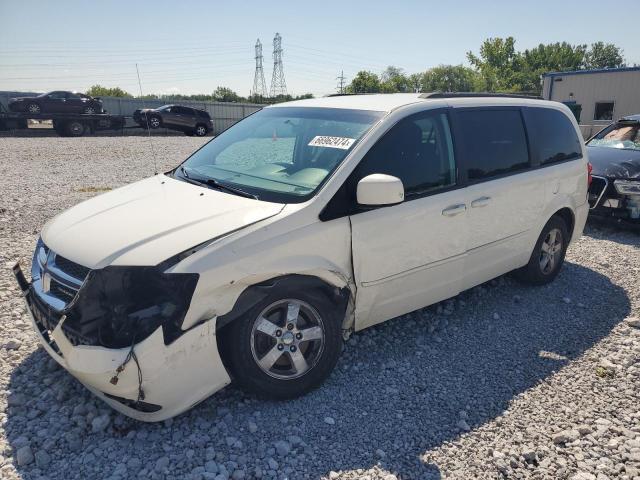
<point x="259" y="85"/>
<point x="278" y="85"/>
<point x="341" y="82"/>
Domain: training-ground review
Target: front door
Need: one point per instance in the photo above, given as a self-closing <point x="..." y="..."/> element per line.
<point x="55" y="102"/>
<point x="410" y="255"/>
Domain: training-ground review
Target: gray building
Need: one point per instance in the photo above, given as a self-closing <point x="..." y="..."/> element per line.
<point x="598" y="96"/>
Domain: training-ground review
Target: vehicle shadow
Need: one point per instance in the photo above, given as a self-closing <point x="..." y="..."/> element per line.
<point x="398" y="391"/>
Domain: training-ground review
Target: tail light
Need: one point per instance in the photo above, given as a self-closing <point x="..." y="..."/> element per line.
<point x="589" y="176"/>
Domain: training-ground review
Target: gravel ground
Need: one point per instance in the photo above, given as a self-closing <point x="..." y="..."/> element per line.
<point x="504" y="381"/>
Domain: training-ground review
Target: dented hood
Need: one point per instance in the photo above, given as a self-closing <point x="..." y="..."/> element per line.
<point x="617" y="163"/>
<point x="149" y="221"/>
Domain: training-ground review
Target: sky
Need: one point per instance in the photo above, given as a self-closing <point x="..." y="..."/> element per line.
<point x="195" y="46"/>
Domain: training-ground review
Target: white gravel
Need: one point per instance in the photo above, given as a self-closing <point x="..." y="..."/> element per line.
<point x="504" y="381"/>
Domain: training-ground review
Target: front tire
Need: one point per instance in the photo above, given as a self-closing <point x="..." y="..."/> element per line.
<point x="286" y="345"/>
<point x="33" y="108"/>
<point x="155" y="121"/>
<point x="548" y="254"/>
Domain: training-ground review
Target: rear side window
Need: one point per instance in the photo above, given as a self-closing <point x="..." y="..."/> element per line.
<point x="418" y="150"/>
<point x="202" y="114"/>
<point x="495" y="142"/>
<point x="553" y="134"/>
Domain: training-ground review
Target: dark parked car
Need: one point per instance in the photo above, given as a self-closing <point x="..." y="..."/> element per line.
<point x="614" y="153"/>
<point x="57" y="102"/>
<point x="189" y="120"/>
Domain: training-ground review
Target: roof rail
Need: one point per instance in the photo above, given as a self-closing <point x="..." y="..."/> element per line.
<point x="478" y="95"/>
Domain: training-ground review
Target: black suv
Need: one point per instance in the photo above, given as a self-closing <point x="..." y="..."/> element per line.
<point x="189" y="120"/>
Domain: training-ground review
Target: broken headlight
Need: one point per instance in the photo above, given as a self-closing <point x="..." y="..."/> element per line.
<point x="120" y="306"/>
<point x="627" y="187"/>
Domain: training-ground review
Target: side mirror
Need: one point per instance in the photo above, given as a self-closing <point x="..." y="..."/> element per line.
<point x="380" y="189"/>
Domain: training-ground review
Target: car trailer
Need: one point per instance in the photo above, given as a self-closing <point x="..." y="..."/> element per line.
<point x="65" y="124"/>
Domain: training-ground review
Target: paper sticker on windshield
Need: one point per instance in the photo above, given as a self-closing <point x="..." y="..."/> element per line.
<point x="332" y="142"/>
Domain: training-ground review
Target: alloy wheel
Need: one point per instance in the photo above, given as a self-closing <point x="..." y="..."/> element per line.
<point x="551" y="251"/>
<point x="287" y="339"/>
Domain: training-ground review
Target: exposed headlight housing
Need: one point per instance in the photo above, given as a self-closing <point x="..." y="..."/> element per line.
<point x="627" y="187"/>
<point x="120" y="306"/>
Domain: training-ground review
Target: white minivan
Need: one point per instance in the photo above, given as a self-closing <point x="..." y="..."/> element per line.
<point x="306" y="221"/>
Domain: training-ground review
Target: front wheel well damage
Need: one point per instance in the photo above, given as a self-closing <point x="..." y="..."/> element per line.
<point x="339" y="296"/>
<point x="255" y="293"/>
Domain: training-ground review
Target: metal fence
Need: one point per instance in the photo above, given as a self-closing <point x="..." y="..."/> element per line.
<point x="223" y="114"/>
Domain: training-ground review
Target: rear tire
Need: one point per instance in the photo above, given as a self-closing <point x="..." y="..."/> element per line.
<point x="548" y="254"/>
<point x="285" y="345"/>
<point x="200" y="130"/>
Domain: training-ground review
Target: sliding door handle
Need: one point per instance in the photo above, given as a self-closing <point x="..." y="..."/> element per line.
<point x="454" y="210"/>
<point x="480" y="202"/>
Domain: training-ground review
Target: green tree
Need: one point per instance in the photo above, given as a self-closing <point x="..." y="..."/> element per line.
<point x="415" y="82"/>
<point x="604" y="55"/>
<point x="554" y="57"/>
<point x="393" y="80"/>
<point x="100" y="91"/>
<point x="497" y="64"/>
<point x="449" y="78"/>
<point x="364" y="82"/>
<point x="224" y="94"/>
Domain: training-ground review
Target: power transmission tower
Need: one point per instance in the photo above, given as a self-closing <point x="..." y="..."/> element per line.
<point x="259" y="85"/>
<point x="341" y="82"/>
<point x="278" y="85"/>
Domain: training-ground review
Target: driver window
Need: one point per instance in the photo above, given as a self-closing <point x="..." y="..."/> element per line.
<point x="418" y="150"/>
<point x="57" y="95"/>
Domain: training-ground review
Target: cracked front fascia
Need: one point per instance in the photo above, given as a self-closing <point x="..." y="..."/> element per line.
<point x="169" y="372"/>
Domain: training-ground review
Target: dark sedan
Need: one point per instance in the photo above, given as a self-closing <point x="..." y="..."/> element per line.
<point x="56" y="102"/>
<point x="614" y="154"/>
<point x="191" y="121"/>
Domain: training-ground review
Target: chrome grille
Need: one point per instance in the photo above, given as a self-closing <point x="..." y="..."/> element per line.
<point x="56" y="280"/>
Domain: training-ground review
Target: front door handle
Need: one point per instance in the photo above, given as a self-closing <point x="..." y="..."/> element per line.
<point x="454" y="210"/>
<point x="480" y="202"/>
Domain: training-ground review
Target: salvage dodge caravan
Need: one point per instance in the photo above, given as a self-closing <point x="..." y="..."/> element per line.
<point x="306" y="221"/>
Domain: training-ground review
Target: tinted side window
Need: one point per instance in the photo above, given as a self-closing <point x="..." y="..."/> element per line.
<point x="181" y="110"/>
<point x="418" y="150"/>
<point x="553" y="134"/>
<point x="495" y="142"/>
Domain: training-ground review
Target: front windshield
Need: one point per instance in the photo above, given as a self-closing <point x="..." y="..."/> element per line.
<point x="281" y="154"/>
<point x="619" y="135"/>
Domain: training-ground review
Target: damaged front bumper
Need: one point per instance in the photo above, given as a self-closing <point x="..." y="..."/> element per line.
<point x="171" y="378"/>
<point x="607" y="201"/>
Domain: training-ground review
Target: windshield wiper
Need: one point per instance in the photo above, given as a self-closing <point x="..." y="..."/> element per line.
<point x="211" y="182"/>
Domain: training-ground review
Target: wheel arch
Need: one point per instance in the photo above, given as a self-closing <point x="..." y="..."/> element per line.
<point x="257" y="292"/>
<point x="569" y="218"/>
